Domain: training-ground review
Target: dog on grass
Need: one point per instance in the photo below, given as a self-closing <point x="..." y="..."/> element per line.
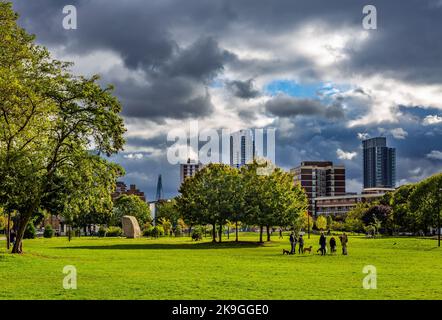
<point x="309" y="249"/>
<point x="284" y="251"/>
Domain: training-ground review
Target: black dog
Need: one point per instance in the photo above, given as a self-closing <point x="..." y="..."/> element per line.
<point x="284" y="251"/>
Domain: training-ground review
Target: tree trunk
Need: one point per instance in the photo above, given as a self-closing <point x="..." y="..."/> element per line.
<point x="268" y="233"/>
<point x="220" y="233"/>
<point x="8" y="231"/>
<point x="23" y="222"/>
<point x="69" y="233"/>
<point x="228" y="232"/>
<point x="260" y="233"/>
<point x="236" y="231"/>
<point x="213" y="233"/>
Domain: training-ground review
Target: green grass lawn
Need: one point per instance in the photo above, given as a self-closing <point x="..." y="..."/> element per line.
<point x="177" y="268"/>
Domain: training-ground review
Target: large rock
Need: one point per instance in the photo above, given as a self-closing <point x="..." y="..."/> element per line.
<point x="131" y="228"/>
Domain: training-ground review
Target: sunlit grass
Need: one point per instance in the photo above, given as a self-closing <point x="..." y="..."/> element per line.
<point x="177" y="268"/>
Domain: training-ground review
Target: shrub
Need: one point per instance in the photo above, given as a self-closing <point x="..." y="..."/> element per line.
<point x="49" y="232"/>
<point x="147" y="232"/>
<point x="197" y="234"/>
<point x="114" y="232"/>
<point x="178" y="231"/>
<point x="157" y="231"/>
<point x="101" y="232"/>
<point x="30" y="232"/>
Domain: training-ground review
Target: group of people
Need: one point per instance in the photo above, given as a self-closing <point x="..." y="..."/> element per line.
<point x="322" y="244"/>
<point x="294" y="241"/>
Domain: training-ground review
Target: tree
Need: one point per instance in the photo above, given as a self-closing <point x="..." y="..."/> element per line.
<point x="166" y="224"/>
<point x="329" y="222"/>
<point x="321" y="222"/>
<point x="271" y="199"/>
<point x="50" y="119"/>
<point x="403" y="218"/>
<point x="353" y="225"/>
<point x="130" y="205"/>
<point x="168" y="210"/>
<point x="426" y="201"/>
<point x="378" y="216"/>
<point x="208" y="197"/>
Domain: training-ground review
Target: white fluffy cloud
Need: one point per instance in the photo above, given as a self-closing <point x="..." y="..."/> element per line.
<point x="432" y="119"/>
<point x="399" y="133"/>
<point x="435" y="154"/>
<point x="341" y="154"/>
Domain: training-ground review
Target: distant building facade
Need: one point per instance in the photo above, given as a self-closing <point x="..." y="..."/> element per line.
<point x="121" y="188"/>
<point x="339" y="206"/>
<point x="379" y="163"/>
<point x="189" y="169"/>
<point x="320" y="179"/>
<point x="242" y="148"/>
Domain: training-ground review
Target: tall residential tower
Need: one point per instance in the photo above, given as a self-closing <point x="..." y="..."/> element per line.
<point x="379" y="163"/>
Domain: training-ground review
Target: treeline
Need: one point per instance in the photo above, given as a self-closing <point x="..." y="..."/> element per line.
<point x="257" y="194"/>
<point x="412" y="208"/>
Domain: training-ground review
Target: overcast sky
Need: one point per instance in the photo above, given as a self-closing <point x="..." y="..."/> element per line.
<point x="307" y="68"/>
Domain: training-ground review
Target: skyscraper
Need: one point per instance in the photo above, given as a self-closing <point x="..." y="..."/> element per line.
<point x="379" y="163"/>
<point x="242" y="148"/>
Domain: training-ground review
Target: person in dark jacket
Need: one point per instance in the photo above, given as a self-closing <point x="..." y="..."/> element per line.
<point x="292" y="243"/>
<point x="301" y="244"/>
<point x="322" y="244"/>
<point x="332" y="245"/>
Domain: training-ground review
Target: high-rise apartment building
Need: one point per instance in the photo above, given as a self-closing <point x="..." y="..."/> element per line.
<point x="189" y="169"/>
<point x="320" y="179"/>
<point x="379" y="163"/>
<point x="242" y="148"/>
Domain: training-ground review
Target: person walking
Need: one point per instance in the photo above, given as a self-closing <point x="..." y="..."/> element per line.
<point x="322" y="243"/>
<point x="280" y="234"/>
<point x="292" y="242"/>
<point x="301" y="244"/>
<point x="344" y="241"/>
<point x="332" y="245"/>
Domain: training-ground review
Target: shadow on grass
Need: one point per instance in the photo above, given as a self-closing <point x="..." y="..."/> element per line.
<point x="171" y="246"/>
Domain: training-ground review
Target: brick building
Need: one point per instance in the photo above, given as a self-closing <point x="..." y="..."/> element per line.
<point x="320" y="179"/>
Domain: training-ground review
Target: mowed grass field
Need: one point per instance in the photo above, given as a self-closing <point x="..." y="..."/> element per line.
<point x="177" y="268"/>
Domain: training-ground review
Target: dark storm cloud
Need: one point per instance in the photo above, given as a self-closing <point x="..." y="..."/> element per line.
<point x="242" y="89"/>
<point x="202" y="60"/>
<point x="179" y="47"/>
<point x="287" y="106"/>
<point x="142" y="31"/>
<point x="164" y="97"/>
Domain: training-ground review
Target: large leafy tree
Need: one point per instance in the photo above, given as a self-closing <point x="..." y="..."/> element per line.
<point x="130" y="205"/>
<point x="271" y="199"/>
<point x="403" y="218"/>
<point x="49" y="120"/>
<point x="210" y="197"/>
<point x="426" y="202"/>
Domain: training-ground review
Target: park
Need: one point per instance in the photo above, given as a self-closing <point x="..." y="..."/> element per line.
<point x="217" y="239"/>
<point x="179" y="268"/>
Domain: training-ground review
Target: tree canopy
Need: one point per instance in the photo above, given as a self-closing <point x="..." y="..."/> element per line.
<point x="54" y="127"/>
